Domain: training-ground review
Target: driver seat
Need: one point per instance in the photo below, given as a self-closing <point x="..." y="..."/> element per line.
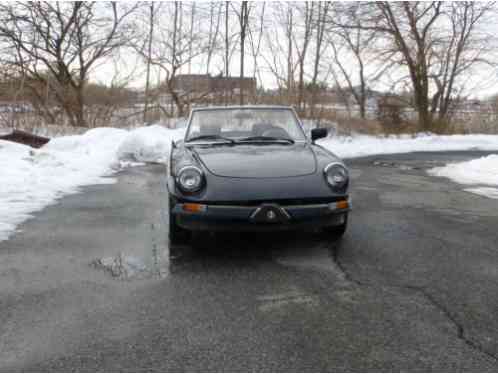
<point x="259" y="128"/>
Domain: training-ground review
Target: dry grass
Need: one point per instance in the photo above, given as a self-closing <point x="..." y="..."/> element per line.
<point x="480" y="123"/>
<point x="360" y="126"/>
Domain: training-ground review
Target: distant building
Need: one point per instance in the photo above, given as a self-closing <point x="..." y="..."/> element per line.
<point x="192" y="83"/>
<point x="232" y="84"/>
<point x="207" y="84"/>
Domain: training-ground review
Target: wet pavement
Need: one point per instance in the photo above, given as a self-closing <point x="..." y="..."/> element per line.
<point x="88" y="284"/>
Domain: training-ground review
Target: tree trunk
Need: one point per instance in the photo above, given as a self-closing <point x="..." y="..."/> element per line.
<point x="149" y="52"/>
<point x="301" y="87"/>
<point x="244" y="17"/>
<point x="227" y="47"/>
<point x="290" y="76"/>
<point x="422" y="105"/>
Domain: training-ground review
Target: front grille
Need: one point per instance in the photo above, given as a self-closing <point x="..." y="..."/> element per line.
<point x="283" y="202"/>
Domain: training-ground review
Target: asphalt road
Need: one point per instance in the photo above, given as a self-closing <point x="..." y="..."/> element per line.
<point x="88" y="285"/>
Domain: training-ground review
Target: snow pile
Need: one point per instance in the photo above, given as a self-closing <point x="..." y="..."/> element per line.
<point x="366" y="145"/>
<point x="490" y="192"/>
<point x="481" y="171"/>
<point x="148" y="144"/>
<point x="32" y="179"/>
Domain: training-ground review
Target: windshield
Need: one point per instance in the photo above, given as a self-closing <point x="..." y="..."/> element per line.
<point x="239" y="124"/>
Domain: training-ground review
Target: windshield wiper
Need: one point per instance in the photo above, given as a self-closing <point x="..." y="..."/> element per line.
<point x="210" y="137"/>
<point x="266" y="139"/>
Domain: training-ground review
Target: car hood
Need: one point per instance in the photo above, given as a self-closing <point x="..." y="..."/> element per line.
<point x="257" y="160"/>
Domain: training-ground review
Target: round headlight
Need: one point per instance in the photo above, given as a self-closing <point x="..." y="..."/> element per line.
<point x="336" y="175"/>
<point x="190" y="179"/>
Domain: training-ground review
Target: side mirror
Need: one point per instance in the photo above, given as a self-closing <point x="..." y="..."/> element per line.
<point x="318" y="134"/>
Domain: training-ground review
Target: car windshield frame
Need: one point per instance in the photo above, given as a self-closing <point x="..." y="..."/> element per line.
<point x="298" y="124"/>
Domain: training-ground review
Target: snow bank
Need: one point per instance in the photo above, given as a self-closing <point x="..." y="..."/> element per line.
<point x="490" y="192"/>
<point x="481" y="171"/>
<point x="32" y="179"/>
<point x="365" y="145"/>
<point x="148" y="144"/>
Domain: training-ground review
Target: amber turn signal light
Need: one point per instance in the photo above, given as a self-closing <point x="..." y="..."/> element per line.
<point x="343" y="204"/>
<point x="194" y="208"/>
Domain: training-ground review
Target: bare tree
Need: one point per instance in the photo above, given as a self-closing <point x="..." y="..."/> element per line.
<point x="229" y="47"/>
<point x="278" y="53"/>
<point x="176" y="60"/>
<point x="320" y="26"/>
<point x="302" y="45"/>
<point x="148" y="60"/>
<point x="215" y="12"/>
<point x="290" y="68"/>
<point x="349" y="44"/>
<point x="192" y="24"/>
<point x="457" y="53"/>
<point x="172" y="49"/>
<point x="56" y="45"/>
<point x="416" y="34"/>
<point x="243" y="18"/>
<point x="227" y="41"/>
<point x="256" y="38"/>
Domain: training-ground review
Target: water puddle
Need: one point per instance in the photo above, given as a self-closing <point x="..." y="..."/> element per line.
<point x="146" y="259"/>
<point x="408" y="165"/>
<point x="126" y="267"/>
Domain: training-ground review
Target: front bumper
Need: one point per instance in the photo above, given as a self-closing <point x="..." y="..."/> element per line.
<point x="267" y="217"/>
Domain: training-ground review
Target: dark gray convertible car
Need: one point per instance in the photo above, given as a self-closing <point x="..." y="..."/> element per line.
<point x="252" y="168"/>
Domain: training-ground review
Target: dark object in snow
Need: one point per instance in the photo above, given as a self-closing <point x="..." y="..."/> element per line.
<point x="252" y="168"/>
<point x="26" y="138"/>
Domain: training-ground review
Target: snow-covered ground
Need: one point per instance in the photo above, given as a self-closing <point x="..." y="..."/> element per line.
<point x="482" y="173"/>
<point x="31" y="179"/>
<point x="365" y="145"/>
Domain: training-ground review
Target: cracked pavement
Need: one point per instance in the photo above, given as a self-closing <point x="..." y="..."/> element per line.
<point x="88" y="285"/>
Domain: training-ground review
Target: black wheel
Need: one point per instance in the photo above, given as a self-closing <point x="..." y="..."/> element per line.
<point x="340" y="230"/>
<point x="201" y="240"/>
<point x="176" y="234"/>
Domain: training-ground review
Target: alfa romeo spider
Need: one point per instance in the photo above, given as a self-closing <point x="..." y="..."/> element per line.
<point x="253" y="168"/>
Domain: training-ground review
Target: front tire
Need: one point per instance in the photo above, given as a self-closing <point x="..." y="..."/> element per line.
<point x="340" y="230"/>
<point x="176" y="235"/>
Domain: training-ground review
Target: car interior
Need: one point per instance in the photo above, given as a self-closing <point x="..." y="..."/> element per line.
<point x="257" y="129"/>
